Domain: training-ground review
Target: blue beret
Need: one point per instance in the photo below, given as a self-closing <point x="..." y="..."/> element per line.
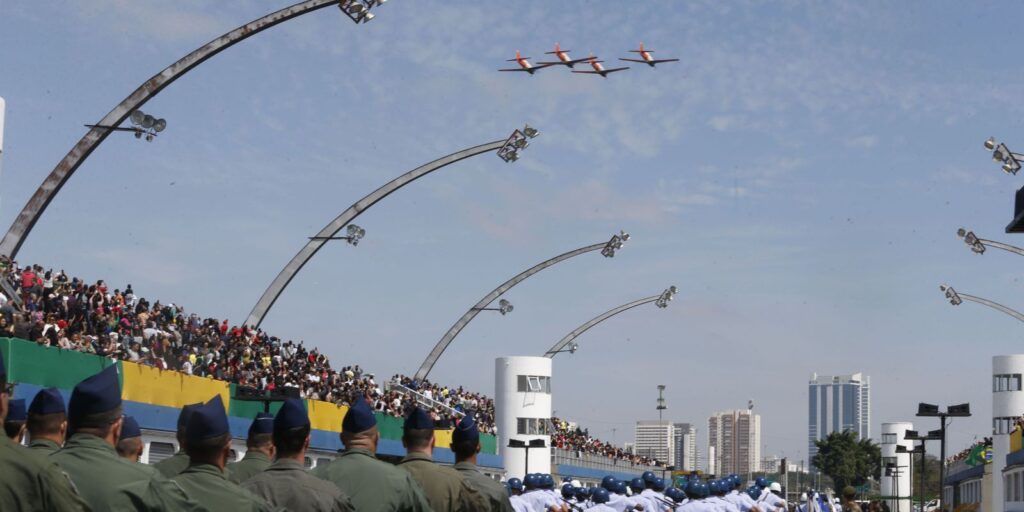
<point x="96" y="394"/>
<point x="263" y="423"/>
<point x="130" y="428"/>
<point x="47" y="401"/>
<point x="16" y="410"/>
<point x="418" y="419"/>
<point x="359" y="418"/>
<point x="185" y="414"/>
<point x="207" y="421"/>
<point x="465" y="430"/>
<point x="291" y="415"/>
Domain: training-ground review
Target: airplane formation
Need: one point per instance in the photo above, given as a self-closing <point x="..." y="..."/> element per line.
<point x="596" y="65"/>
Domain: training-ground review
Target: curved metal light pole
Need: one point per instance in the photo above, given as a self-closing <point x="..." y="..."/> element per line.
<point x="661" y="301"/>
<point x="607" y="250"/>
<point x="978" y="244"/>
<point x="956" y="298"/>
<point x="259" y="311"/>
<point x="29" y="215"/>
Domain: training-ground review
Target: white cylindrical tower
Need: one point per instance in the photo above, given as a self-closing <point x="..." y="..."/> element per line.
<point x="3" y="106"/>
<point x="897" y="480"/>
<point x="1007" y="406"/>
<point x="522" y="404"/>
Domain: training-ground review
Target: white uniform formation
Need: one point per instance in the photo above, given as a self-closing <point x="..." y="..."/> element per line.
<point x="648" y="493"/>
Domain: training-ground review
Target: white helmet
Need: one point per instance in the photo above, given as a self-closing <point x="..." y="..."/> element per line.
<point x="775" y="487"/>
<point x="576" y="483"/>
<point x="803" y="497"/>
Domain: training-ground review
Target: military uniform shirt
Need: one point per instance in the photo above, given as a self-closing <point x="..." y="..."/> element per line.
<point x="490" y="489"/>
<point x="601" y="507"/>
<point x="207" y="484"/>
<point x="519" y="504"/>
<point x="773" y="502"/>
<point x="444" y="487"/>
<point x="655" y="499"/>
<point x="286" y="483"/>
<point x="539" y="500"/>
<point x="252" y="464"/>
<point x="32" y="482"/>
<point x="170" y="467"/>
<point x="373" y="485"/>
<point x="43" y="446"/>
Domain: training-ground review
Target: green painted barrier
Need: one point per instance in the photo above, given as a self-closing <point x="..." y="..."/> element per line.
<point x="49" y="366"/>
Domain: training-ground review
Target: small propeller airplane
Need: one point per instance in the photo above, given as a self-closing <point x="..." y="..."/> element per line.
<point x="563" y="58"/>
<point x="598" y="68"/>
<point x="645" y="57"/>
<point x="524" y="64"/>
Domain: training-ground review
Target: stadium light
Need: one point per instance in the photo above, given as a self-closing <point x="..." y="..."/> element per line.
<point x="666" y="297"/>
<point x="143" y="125"/>
<point x="504" y="307"/>
<point x="978" y="244"/>
<point x="616" y="243"/>
<point x="518" y="141"/>
<point x="359" y="10"/>
<point x="353" y="232"/>
<point x="1003" y="155"/>
<point x="956" y="298"/>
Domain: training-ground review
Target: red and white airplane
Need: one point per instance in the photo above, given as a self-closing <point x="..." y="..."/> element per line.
<point x="563" y="58"/>
<point x="598" y="68"/>
<point x="645" y="57"/>
<point x="524" y="64"/>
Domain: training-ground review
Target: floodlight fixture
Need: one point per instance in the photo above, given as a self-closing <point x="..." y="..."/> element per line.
<point x="1003" y="155"/>
<point x="353" y="232"/>
<point x="517" y="142"/>
<point x="954" y="298"/>
<point x="614" y="244"/>
<point x="666" y="297"/>
<point x="143" y="125"/>
<point x="971" y="240"/>
<point x="504" y="307"/>
<point x="530" y="132"/>
<point x="359" y="10"/>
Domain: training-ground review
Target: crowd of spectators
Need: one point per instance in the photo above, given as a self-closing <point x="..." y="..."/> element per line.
<point x="568" y="436"/>
<point x="71" y="314"/>
<point x="963" y="454"/>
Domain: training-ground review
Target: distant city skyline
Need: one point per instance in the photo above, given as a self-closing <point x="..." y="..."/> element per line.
<point x="837" y="403"/>
<point x="734" y="442"/>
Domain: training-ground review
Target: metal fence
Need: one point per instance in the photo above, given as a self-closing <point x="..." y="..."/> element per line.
<point x="599" y="462"/>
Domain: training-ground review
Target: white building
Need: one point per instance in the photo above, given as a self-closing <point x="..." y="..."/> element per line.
<point x="655" y="439"/>
<point x="734" y="442"/>
<point x="1007" y="407"/>
<point x="685" y="446"/>
<point x="896" y="467"/>
<point x="522" y="400"/>
<point x="835" y="404"/>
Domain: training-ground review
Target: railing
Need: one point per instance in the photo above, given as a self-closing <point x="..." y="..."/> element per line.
<point x="600" y="462"/>
<point x="421" y="399"/>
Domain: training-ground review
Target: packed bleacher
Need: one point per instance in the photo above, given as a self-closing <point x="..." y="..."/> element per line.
<point x="70" y="313"/>
<point x="966" y="452"/>
<point x="568" y="436"/>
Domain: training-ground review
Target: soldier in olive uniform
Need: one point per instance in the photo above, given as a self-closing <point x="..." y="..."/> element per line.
<point x="129" y="446"/>
<point x="14" y="424"/>
<point x="47" y="421"/>
<point x="444" y="486"/>
<point x="89" y="457"/>
<point x="259" y="450"/>
<point x="170" y="467"/>
<point x="208" y="443"/>
<point x="465" y="446"/>
<point x="373" y="485"/>
<point x="30" y="481"/>
<point x="287" y="483"/>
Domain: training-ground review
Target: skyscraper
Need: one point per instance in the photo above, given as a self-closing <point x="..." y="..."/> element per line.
<point x="734" y="442"/>
<point x="835" y="404"/>
<point x="685" y="446"/>
<point x="656" y="439"/>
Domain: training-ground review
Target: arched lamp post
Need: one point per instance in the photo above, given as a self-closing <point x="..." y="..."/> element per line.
<point x="660" y="300"/>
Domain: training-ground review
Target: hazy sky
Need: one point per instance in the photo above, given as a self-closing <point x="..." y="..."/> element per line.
<point x="799" y="175"/>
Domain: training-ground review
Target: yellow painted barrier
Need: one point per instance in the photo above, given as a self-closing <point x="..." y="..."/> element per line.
<point x="442" y="438"/>
<point x="169" y="388"/>
<point x="1016" y="440"/>
<point x="325" y="415"/>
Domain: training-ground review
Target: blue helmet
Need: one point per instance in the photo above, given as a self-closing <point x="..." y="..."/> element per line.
<point x="620" y="487"/>
<point x="693" y="488"/>
<point x="608" y="483"/>
<point x="659" y="485"/>
<point x="754" y="492"/>
<point x="648" y="476"/>
<point x="532" y="481"/>
<point x="637" y="484"/>
<point x="761" y="482"/>
<point x="677" y="494"/>
<point x="568" y="491"/>
<point x="715" y="487"/>
<point x="705" y="490"/>
<point x="547" y="481"/>
<point x="600" y="495"/>
<point x="515" y="484"/>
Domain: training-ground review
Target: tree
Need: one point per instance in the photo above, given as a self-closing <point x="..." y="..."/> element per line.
<point x="848" y="460"/>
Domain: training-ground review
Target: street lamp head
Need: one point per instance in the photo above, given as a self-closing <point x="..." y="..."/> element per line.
<point x="573" y="348"/>
<point x="530" y="131"/>
<point x="614" y="244"/>
<point x="666" y="297"/>
<point x="954" y="298"/>
<point x="137" y="117"/>
<point x="505" y="307"/>
<point x="355" y="234"/>
<point x="924" y="409"/>
<point x="961" y="410"/>
<point x="971" y="240"/>
<point x="367" y="17"/>
<point x="1011" y="167"/>
<point x="159" y="125"/>
<point x="990" y="144"/>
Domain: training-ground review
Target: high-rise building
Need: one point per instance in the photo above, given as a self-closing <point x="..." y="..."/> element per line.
<point x="684" y="444"/>
<point x="734" y="442"/>
<point x="836" y="404"/>
<point x="656" y="439"/>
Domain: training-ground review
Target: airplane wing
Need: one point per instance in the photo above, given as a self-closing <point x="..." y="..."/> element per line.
<point x="659" y="61"/>
<point x="612" y="70"/>
<point x="634" y="60"/>
<point x="567" y="63"/>
<point x="588" y="72"/>
<point x="515" y="69"/>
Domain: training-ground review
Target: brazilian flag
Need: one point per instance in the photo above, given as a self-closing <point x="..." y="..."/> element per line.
<point x="980" y="454"/>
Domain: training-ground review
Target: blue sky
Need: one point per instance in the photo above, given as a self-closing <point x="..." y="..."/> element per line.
<point x="799" y="175"/>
